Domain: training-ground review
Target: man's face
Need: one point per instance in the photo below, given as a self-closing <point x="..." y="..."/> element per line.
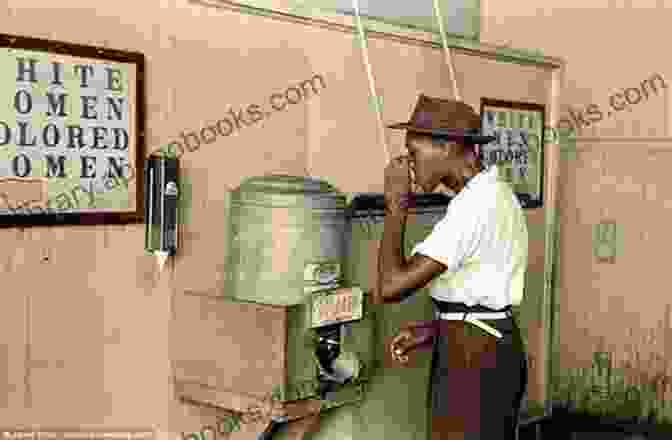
<point x="431" y="164"/>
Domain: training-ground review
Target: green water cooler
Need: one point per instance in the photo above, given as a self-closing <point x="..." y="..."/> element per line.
<point x="288" y="248"/>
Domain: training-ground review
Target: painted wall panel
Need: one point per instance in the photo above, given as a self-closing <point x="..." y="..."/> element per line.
<point x="618" y="173"/>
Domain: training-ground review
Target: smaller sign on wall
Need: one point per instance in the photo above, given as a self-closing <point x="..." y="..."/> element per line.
<point x="605" y="241"/>
<point x="518" y="147"/>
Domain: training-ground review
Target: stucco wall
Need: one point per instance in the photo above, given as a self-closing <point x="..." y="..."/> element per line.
<point x="619" y="173"/>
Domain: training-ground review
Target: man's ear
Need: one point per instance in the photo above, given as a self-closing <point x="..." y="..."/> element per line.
<point x="468" y="151"/>
<point x="471" y="155"/>
<point x="447" y="148"/>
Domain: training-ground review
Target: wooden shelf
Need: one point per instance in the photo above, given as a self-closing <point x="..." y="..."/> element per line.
<point x="231" y="401"/>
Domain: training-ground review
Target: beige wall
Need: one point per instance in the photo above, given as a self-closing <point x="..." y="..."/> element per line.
<point x="608" y="46"/>
<point x="85" y="323"/>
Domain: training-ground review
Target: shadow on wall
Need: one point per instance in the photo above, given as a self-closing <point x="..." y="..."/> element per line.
<point x="572" y="125"/>
<point x="619" y="101"/>
<point x="236" y="121"/>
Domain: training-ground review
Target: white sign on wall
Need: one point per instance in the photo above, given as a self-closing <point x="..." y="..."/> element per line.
<point x="71" y="119"/>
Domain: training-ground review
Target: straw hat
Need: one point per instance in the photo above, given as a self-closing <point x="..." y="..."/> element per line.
<point x="447" y="118"/>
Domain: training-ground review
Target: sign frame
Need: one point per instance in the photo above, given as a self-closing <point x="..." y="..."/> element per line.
<point x="529" y="199"/>
<point x="24" y="215"/>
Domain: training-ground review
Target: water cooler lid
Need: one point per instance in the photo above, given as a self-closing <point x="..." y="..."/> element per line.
<point x="286" y="190"/>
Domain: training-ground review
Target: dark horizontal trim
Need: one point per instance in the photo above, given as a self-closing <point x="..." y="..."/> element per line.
<point x="76" y="50"/>
<point x="70" y="219"/>
<point x="581" y="421"/>
<point x="376" y="201"/>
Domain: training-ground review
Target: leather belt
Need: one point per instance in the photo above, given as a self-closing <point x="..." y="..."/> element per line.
<point x="475" y="319"/>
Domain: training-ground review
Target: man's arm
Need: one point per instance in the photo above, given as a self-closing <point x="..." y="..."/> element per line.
<point x="399" y="278"/>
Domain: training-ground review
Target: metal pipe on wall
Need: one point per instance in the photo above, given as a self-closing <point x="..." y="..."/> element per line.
<point x="549" y="305"/>
<point x="372" y="85"/>
<point x="446" y="50"/>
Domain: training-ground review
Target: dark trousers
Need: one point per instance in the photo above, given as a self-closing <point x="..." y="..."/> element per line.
<point x="477" y="381"/>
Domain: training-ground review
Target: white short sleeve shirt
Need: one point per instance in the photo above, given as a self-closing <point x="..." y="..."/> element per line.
<point x="483" y="241"/>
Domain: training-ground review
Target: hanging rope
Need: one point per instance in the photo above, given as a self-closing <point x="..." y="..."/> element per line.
<point x="444" y="42"/>
<point x="372" y="85"/>
<point x="369" y="71"/>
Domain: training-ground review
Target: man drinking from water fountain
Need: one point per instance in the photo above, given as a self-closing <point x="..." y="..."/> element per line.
<point x="473" y="262"/>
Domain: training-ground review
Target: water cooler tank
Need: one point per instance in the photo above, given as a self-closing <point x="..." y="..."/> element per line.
<point x="287" y="239"/>
<point x="287" y="251"/>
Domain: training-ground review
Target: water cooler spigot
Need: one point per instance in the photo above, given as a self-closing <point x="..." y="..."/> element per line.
<point x="336" y="367"/>
<point x="328" y="349"/>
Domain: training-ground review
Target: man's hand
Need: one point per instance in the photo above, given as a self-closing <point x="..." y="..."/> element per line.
<point x="397" y="184"/>
<point x="376" y="297"/>
<point x="418" y="335"/>
<point x="263" y="411"/>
